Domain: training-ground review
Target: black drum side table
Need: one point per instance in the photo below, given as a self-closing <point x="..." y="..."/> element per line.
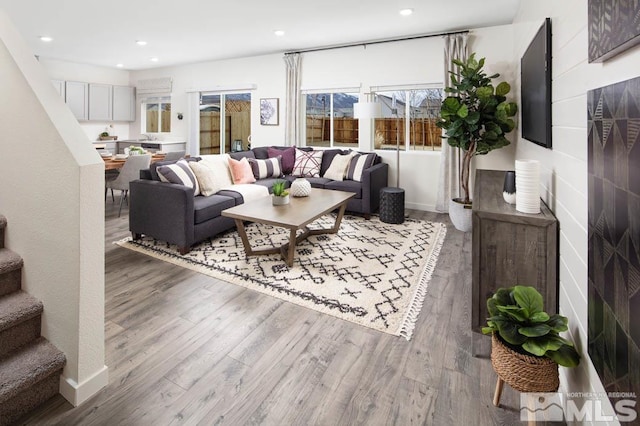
<point x="392" y="205"/>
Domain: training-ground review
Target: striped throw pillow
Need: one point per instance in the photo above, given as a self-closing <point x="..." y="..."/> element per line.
<point x="269" y="168"/>
<point x="307" y="163"/>
<point x="358" y="164"/>
<point x="179" y="173"/>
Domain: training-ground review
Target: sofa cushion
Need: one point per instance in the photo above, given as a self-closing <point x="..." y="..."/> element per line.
<point x="358" y="164"/>
<point x="241" y="171"/>
<point x="338" y="168"/>
<point x="242" y="154"/>
<point x="206" y="208"/>
<point x="261" y="152"/>
<point x="235" y="195"/>
<point x="262" y="169"/>
<point x="179" y="173"/>
<point x="288" y="157"/>
<point x="270" y="181"/>
<point x="317" y="182"/>
<point x="307" y="163"/>
<point x="345" y="185"/>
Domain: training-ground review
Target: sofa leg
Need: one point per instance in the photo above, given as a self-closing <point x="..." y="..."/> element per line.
<point x="135" y="236"/>
<point x="367" y="216"/>
<point x="184" y="250"/>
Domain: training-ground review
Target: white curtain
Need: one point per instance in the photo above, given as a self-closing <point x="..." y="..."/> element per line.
<point x="455" y="47"/>
<point x="292" y="102"/>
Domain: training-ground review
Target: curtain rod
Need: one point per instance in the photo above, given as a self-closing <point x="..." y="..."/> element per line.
<point x="366" y="43"/>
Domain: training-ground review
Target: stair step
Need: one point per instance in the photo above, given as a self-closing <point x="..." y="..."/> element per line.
<point x="3" y="224"/>
<point x="10" y="271"/>
<point x="20" y="315"/>
<point x="28" y="377"/>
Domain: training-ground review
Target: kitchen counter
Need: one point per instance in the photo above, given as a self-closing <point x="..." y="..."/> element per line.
<point x="165" y="146"/>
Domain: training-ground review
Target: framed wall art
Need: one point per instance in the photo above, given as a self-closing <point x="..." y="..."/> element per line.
<point x="269" y="112"/>
<point x="614" y="234"/>
<point x="613" y="28"/>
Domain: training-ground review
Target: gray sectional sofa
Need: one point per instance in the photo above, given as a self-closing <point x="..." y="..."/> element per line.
<point x="170" y="212"/>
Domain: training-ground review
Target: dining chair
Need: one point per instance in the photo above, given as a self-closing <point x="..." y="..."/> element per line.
<point x="130" y="171"/>
<point x="174" y="155"/>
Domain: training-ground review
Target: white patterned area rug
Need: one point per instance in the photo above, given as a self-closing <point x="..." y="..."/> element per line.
<point x="370" y="273"/>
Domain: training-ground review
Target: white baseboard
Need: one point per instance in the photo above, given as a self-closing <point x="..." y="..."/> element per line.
<point x="76" y="393"/>
<point x="420" y="206"/>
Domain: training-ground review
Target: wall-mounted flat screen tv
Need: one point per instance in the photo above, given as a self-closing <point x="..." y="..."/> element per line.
<point x="535" y="88"/>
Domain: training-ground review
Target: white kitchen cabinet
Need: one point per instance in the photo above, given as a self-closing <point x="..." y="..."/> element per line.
<point x="124" y="103"/>
<point x="59" y="85"/>
<point x="77" y="98"/>
<point x="100" y="102"/>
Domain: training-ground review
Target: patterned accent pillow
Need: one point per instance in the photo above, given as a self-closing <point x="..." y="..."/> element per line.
<point x="179" y="173"/>
<point x="288" y="158"/>
<point x="269" y="168"/>
<point x="338" y="167"/>
<point x="358" y="164"/>
<point x="241" y="171"/>
<point x="307" y="163"/>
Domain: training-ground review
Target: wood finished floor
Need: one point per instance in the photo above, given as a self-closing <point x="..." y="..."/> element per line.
<point x="184" y="348"/>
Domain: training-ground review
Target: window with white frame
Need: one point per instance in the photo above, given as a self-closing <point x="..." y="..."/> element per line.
<point x="329" y="120"/>
<point x="409" y="117"/>
<point x="225" y="122"/>
<point x="156" y="115"/>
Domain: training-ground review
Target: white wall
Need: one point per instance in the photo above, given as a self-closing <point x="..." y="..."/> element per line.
<point x="496" y="45"/>
<point x="408" y="62"/>
<point x="564" y="168"/>
<point x="68" y="71"/>
<point x="52" y="196"/>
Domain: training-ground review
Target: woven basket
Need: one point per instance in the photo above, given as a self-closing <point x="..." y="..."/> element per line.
<point x="524" y="373"/>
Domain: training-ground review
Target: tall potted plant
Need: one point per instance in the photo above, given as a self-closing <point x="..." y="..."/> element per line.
<point x="476" y="118"/>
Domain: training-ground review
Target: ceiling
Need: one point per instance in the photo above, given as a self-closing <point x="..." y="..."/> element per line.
<point x="185" y="31"/>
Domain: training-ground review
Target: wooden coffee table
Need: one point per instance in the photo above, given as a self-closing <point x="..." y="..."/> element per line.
<point x="293" y="216"/>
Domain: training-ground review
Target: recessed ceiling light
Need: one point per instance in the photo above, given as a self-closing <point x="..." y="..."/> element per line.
<point x="279" y="33"/>
<point x="406" y="12"/>
<point x="46" y="39"/>
<point x="154" y="59"/>
<point x="141" y="42"/>
<point x="119" y="65"/>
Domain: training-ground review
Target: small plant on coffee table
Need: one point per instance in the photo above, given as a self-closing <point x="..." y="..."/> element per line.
<point x="280" y="188"/>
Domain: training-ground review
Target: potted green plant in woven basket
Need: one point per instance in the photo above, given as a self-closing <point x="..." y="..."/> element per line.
<point x="526" y="346"/>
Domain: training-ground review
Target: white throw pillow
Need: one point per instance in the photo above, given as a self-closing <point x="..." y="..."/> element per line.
<point x="338" y="167"/>
<point x="206" y="177"/>
<point x="220" y="164"/>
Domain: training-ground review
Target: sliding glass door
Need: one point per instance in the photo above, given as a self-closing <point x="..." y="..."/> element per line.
<point x="225" y="122"/>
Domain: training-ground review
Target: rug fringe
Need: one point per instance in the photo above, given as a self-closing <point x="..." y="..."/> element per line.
<point x="411" y="317"/>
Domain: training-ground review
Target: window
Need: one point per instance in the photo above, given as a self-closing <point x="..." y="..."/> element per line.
<point x="329" y="120"/>
<point x="156" y="115"/>
<point x="225" y="122"/>
<point x="409" y="119"/>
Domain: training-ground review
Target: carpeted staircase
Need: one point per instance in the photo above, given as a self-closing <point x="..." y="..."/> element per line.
<point x="30" y="366"/>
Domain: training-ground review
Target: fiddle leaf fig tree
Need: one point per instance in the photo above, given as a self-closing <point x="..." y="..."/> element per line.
<point x="475" y="115"/>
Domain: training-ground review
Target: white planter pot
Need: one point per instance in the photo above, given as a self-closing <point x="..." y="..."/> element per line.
<point x="460" y="215"/>
<point x="279" y="201"/>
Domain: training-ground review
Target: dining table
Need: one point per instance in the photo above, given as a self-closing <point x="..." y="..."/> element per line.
<point x="116" y="163"/>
